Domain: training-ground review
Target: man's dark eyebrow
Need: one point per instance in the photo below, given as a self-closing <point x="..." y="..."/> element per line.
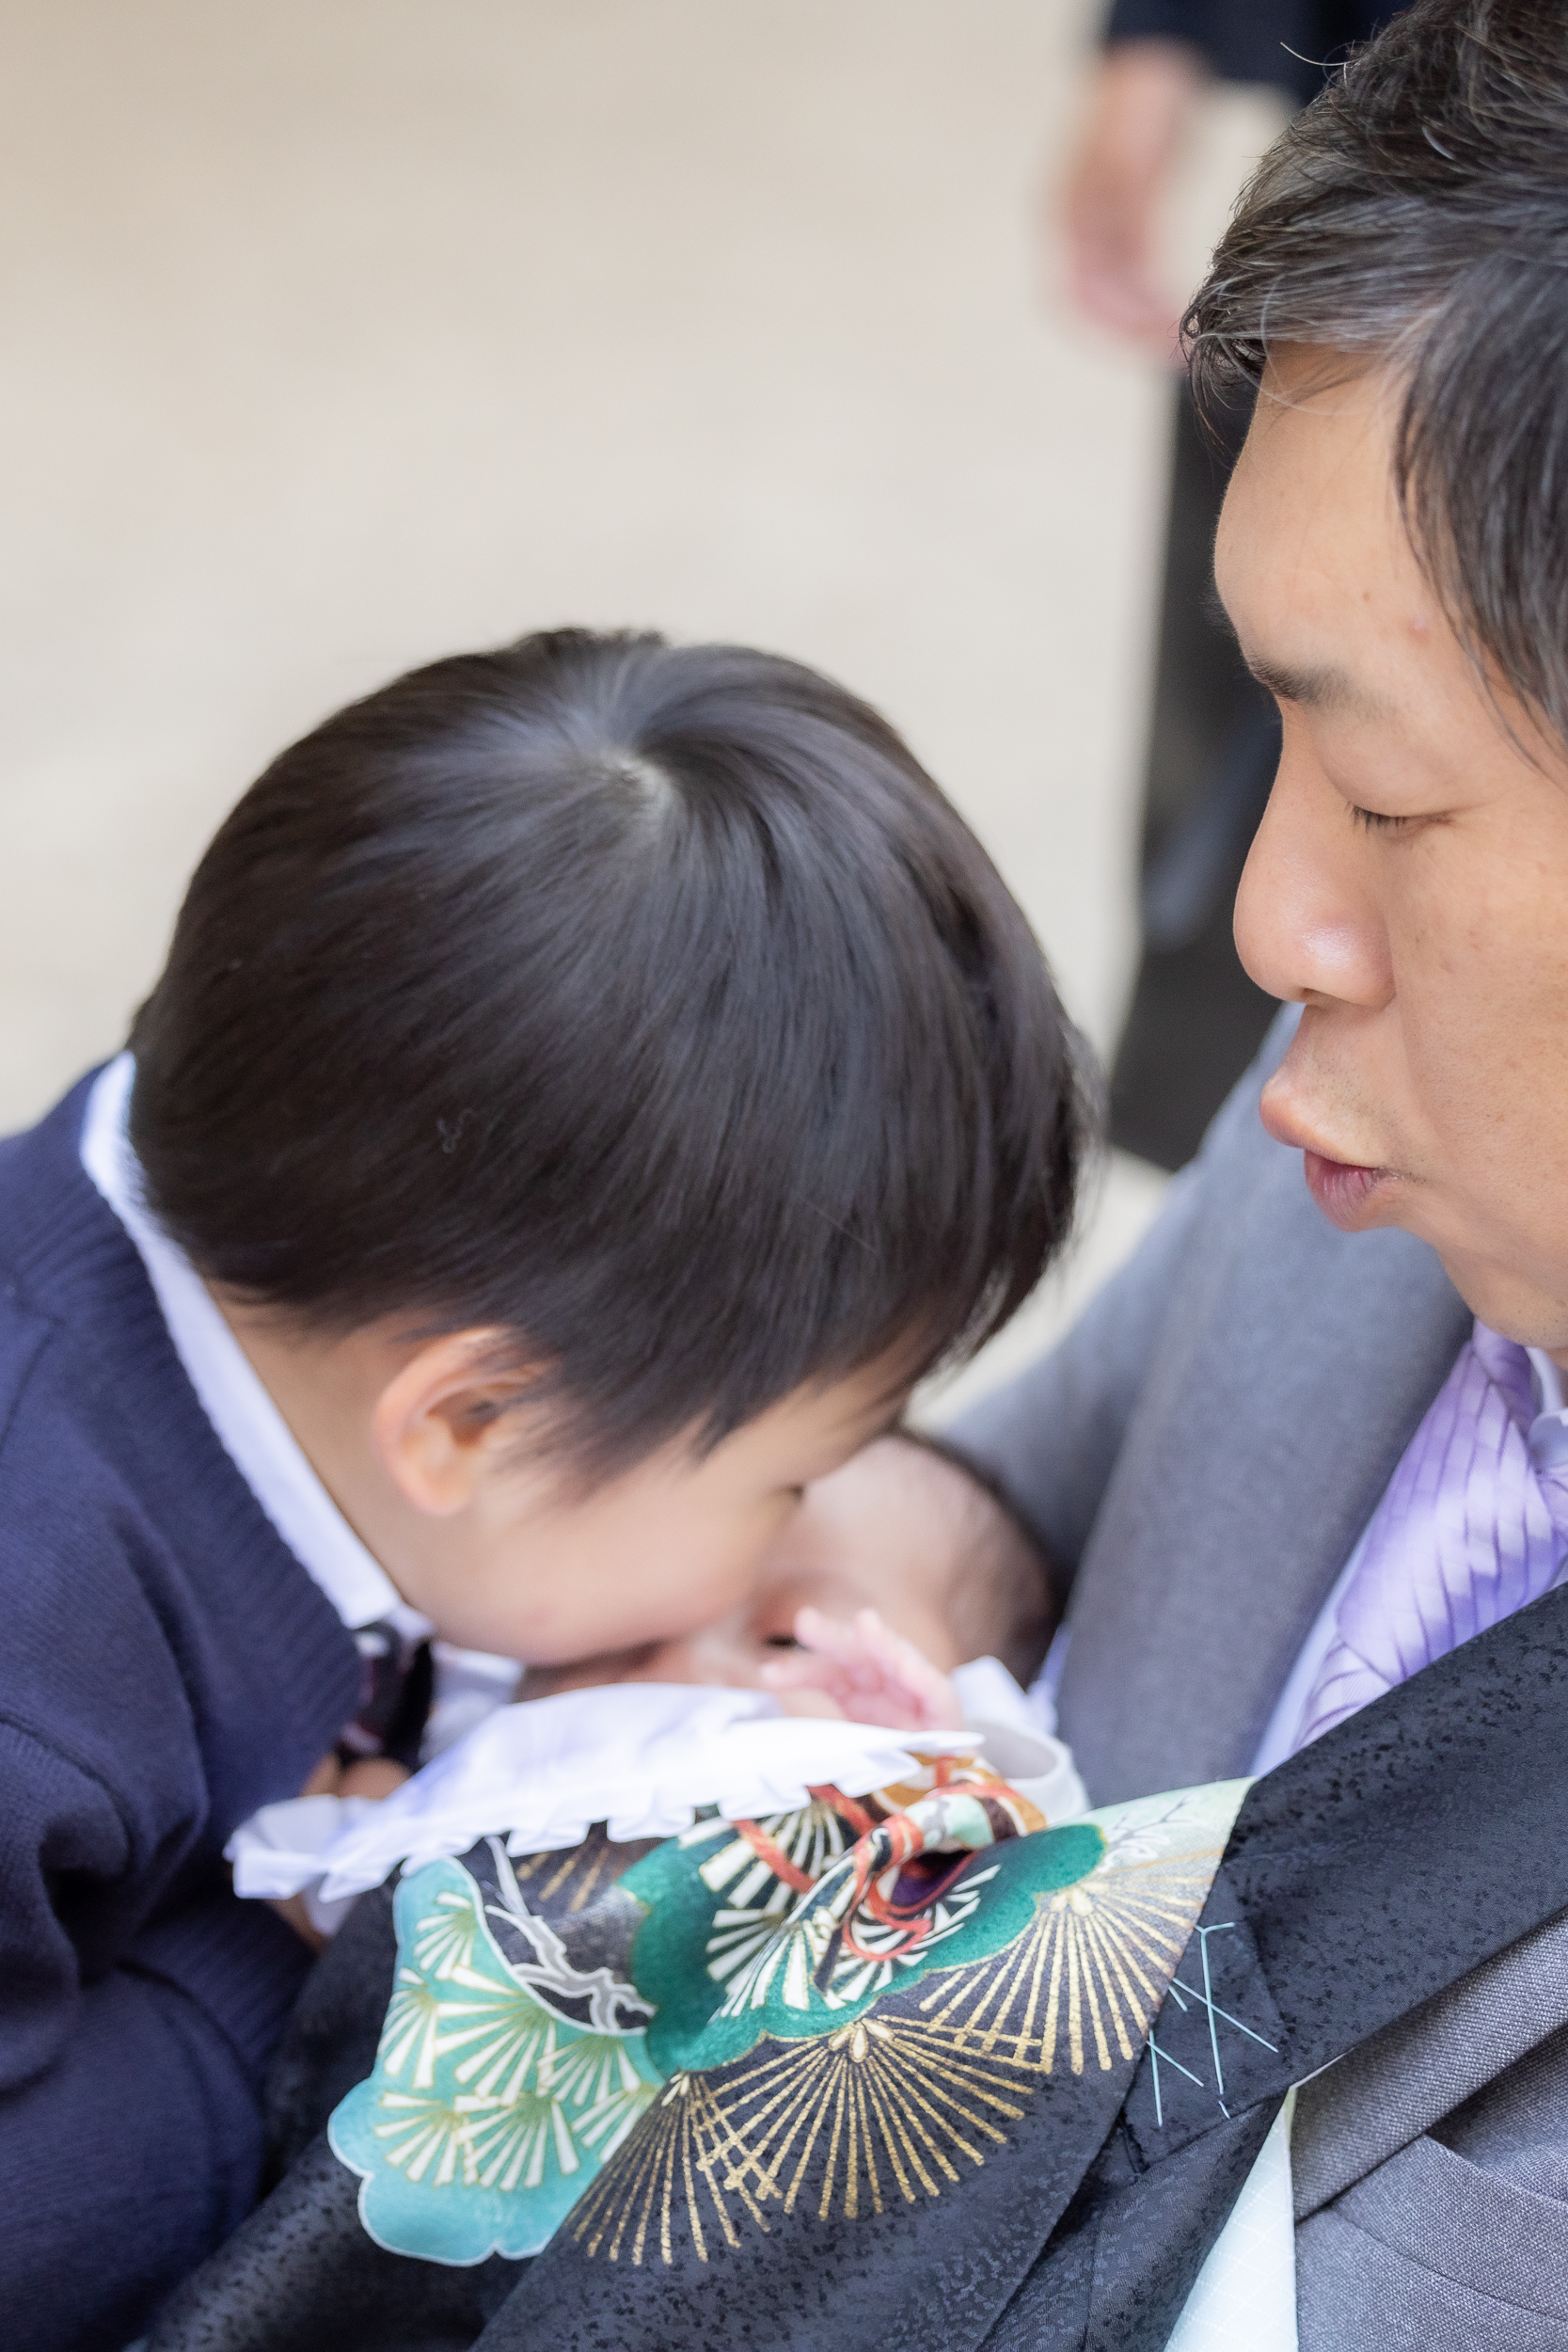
<point x="1320" y="687"/>
<point x="1324" y="688"/>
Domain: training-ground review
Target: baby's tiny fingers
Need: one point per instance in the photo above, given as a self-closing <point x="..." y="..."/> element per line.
<point x="931" y="1694"/>
<point x="808" y="1673"/>
<point x="828" y="1637"/>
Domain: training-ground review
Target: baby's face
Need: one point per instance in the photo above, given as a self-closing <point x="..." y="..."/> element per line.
<point x="804" y="1569"/>
<point x="511" y="1555"/>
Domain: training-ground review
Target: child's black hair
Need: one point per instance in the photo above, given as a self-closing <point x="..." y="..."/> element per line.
<point x="647" y="1002"/>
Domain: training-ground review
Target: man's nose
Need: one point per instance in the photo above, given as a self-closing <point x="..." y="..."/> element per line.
<point x="1308" y="928"/>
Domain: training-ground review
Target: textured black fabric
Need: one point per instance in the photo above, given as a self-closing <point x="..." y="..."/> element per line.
<point x="928" y="2276"/>
<point x="303" y="2274"/>
<point x="1375" y="1868"/>
<point x="298" y="2276"/>
<point x="1124" y="2258"/>
<point x="330" y="2041"/>
<point x="1365" y="1875"/>
<point x="1362" y="1878"/>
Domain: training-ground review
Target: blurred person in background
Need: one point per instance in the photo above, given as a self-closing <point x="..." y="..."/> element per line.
<point x="1196" y="1018"/>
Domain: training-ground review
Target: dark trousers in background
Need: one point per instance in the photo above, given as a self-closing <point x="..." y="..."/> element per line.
<point x="1195" y="1018"/>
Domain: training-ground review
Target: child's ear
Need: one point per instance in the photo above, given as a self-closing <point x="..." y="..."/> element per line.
<point x="438" y="1425"/>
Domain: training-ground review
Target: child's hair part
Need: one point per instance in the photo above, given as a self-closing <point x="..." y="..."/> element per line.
<point x="647" y="1002"/>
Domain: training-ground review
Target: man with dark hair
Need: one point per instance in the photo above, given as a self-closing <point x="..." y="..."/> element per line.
<point x="1300" y="1469"/>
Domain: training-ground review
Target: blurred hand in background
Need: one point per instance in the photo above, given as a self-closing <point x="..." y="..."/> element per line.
<point x="1141" y="101"/>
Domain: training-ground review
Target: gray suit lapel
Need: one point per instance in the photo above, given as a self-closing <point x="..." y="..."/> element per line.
<point x="1291" y="1369"/>
<point x="1386" y="2094"/>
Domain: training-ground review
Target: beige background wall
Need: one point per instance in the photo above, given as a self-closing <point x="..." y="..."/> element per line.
<point x="339" y="333"/>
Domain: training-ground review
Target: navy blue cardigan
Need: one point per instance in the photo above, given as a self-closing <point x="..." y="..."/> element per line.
<point x="167" y="1666"/>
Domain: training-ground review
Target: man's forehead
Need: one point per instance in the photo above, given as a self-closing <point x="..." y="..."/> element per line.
<point x="1331" y="608"/>
<point x="1312" y="561"/>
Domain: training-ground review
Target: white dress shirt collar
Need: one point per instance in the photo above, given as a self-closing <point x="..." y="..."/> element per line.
<point x="249" y="1426"/>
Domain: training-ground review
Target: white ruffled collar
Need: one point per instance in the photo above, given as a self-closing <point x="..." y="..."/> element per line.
<point x="643" y="1757"/>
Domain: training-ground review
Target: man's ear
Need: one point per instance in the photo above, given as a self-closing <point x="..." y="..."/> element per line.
<point x="437" y="1428"/>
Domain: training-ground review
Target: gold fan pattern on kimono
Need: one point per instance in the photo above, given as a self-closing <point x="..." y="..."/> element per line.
<point x="893" y="2105"/>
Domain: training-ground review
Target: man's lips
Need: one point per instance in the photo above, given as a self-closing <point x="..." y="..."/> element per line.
<point x="1341" y="1190"/>
<point x="1344" y="1190"/>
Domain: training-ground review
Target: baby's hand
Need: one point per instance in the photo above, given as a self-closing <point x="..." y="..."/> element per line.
<point x="873" y="1676"/>
<point x="369" y="1776"/>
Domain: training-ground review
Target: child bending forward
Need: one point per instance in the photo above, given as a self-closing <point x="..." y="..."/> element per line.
<point x="590" y="1084"/>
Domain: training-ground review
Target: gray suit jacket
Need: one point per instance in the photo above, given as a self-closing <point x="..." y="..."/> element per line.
<point x="1197" y="1458"/>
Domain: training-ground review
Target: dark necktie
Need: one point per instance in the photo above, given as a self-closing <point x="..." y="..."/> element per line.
<point x="396" y="1684"/>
